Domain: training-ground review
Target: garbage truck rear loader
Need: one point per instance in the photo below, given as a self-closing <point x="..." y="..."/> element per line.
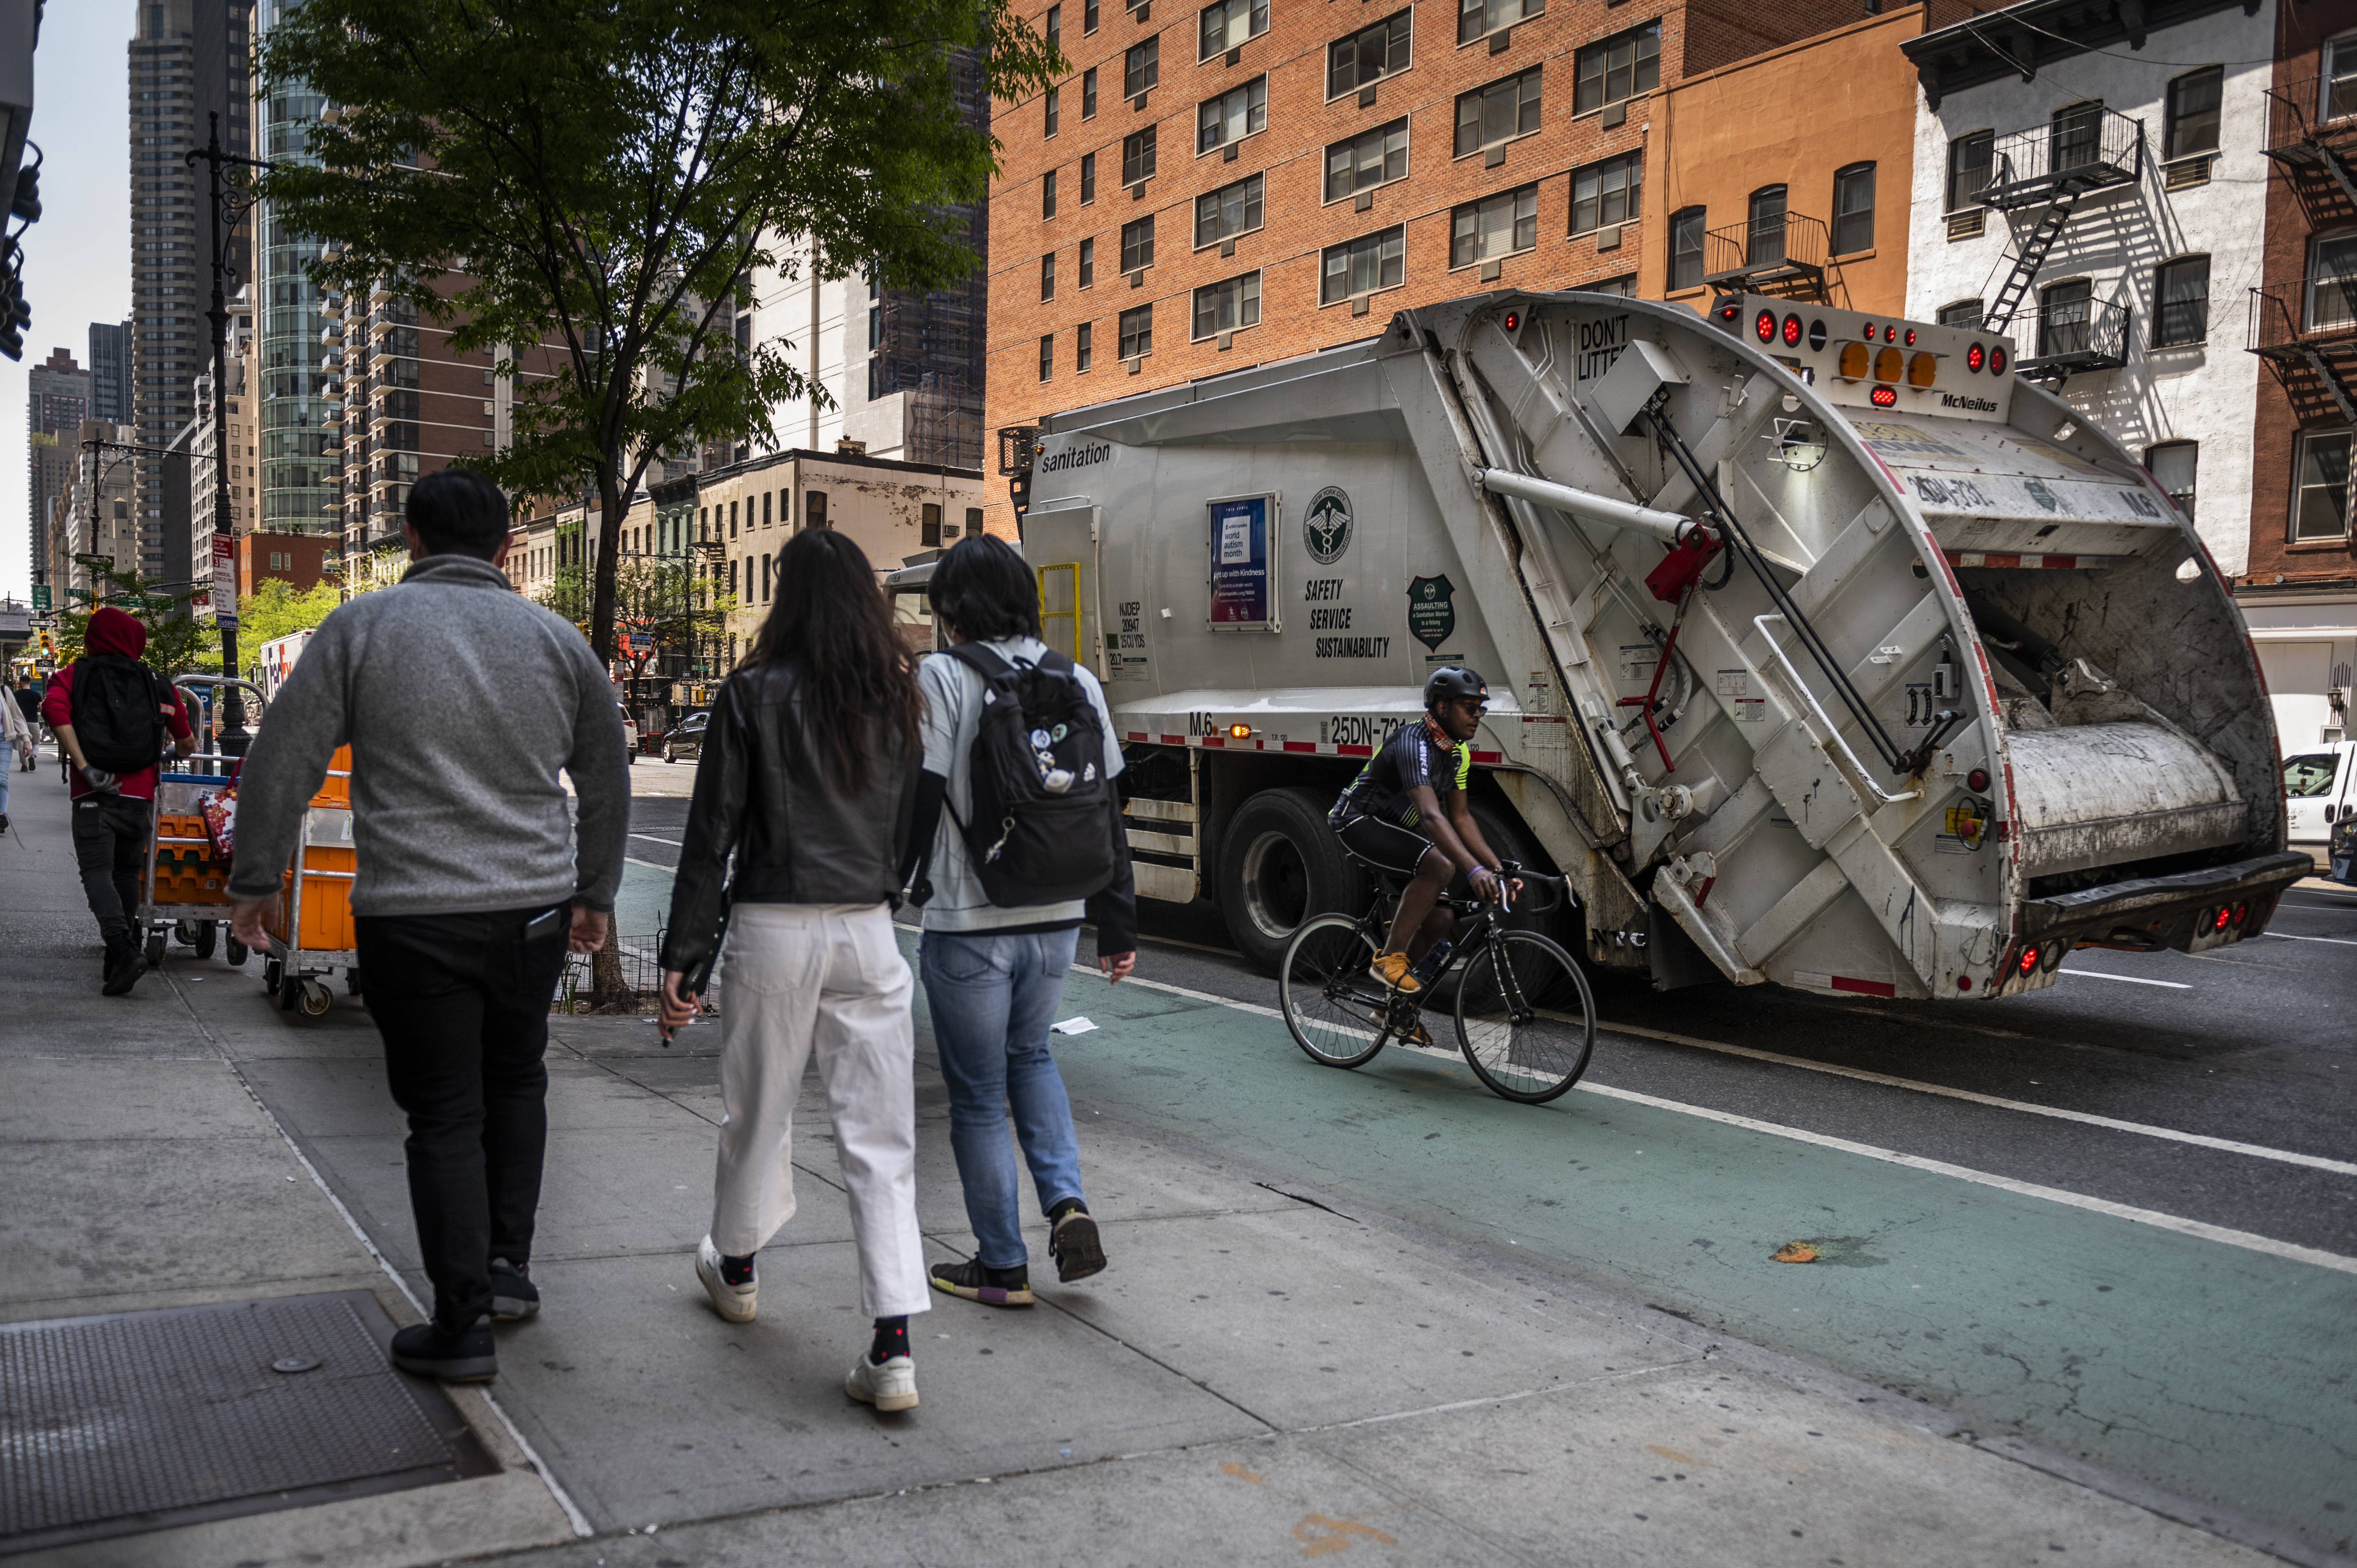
<point x="1823" y="650"/>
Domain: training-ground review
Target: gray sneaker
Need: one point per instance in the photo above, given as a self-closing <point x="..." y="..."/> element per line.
<point x="513" y="1295"/>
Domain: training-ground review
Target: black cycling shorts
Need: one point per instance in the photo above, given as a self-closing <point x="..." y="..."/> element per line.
<point x="1384" y="845"/>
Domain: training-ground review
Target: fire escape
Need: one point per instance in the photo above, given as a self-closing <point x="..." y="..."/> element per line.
<point x="2082" y="149"/>
<point x="1776" y="252"/>
<point x="2313" y="322"/>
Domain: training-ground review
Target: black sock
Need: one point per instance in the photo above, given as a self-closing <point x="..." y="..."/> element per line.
<point x="891" y="1339"/>
<point x="1066" y="1205"/>
<point x="737" y="1270"/>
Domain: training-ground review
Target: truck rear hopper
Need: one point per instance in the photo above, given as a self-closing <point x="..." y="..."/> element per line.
<point x="1958" y="691"/>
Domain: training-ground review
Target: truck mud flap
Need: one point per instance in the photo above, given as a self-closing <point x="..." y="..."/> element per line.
<point x="2189" y="910"/>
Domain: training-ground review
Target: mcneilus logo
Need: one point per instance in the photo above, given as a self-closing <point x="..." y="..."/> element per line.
<point x="1977" y="404"/>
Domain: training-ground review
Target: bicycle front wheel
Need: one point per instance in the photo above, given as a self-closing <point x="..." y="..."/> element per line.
<point x="1525" y="1018"/>
<point x="1333" y="1006"/>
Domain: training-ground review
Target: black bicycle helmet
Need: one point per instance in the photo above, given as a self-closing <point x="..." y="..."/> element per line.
<point x="1453" y="681"/>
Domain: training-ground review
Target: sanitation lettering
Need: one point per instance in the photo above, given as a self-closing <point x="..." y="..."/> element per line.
<point x="1354" y="647"/>
<point x="1334" y="619"/>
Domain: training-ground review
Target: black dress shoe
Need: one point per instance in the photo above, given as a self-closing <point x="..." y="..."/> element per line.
<point x="431" y="1350"/>
<point x="513" y="1295"/>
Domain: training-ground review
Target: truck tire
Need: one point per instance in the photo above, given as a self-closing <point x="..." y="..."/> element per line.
<point x="1279" y="864"/>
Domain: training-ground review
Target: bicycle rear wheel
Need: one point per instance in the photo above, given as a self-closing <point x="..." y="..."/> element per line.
<point x="1333" y="1008"/>
<point x="1525" y="1018"/>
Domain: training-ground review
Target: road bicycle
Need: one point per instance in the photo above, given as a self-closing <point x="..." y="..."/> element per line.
<point x="1525" y="1019"/>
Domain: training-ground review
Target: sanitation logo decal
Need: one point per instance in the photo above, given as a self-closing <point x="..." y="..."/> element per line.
<point x="1326" y="530"/>
<point x="1431" y="616"/>
<point x="1087" y="453"/>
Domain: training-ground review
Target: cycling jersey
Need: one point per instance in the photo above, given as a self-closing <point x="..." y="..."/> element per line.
<point x="1415" y="754"/>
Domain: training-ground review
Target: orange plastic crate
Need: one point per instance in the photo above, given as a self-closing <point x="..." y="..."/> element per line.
<point x="335" y="791"/>
<point x="327" y="903"/>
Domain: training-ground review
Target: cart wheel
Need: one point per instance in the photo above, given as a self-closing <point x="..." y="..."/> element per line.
<point x="352" y="980"/>
<point x="185" y="932"/>
<point x="156" y="940"/>
<point x="273" y="972"/>
<point x="235" y="952"/>
<point x="315" y="998"/>
<point x="207" y="936"/>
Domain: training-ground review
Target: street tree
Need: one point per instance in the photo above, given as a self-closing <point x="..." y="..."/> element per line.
<point x="603" y="177"/>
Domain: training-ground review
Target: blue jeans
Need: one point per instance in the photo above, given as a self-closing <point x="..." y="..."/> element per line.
<point x="992" y="999"/>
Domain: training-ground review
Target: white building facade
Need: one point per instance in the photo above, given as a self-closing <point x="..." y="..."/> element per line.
<point x="2110" y="186"/>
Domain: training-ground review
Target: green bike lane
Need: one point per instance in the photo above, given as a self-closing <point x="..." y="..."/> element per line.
<point x="2219" y="1373"/>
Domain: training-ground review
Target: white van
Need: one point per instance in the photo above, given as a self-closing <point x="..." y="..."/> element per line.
<point x="2319" y="789"/>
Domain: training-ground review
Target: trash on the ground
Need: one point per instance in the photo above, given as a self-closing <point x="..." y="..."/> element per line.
<point x="1074" y="1026"/>
<point x="1795" y="1253"/>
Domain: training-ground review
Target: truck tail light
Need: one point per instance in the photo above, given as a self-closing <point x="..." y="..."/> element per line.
<point x="1854" y="358"/>
<point x="1792" y="331"/>
<point x="2029" y="959"/>
<point x="1883" y="397"/>
<point x="1889" y="365"/>
<point x="2225" y="915"/>
<point x="1923" y="370"/>
<point x="1975" y="359"/>
<point x="1997" y="358"/>
<point x="1764" y="325"/>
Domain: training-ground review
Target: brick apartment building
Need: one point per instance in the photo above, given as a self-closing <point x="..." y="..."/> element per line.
<point x="1215" y="186"/>
<point x="301" y="561"/>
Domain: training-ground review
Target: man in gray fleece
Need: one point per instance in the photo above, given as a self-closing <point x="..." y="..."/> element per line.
<point x="463" y="702"/>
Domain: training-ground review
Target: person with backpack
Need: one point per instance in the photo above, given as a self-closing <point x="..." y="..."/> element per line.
<point x="807" y="778"/>
<point x="110" y="715"/>
<point x="1020" y="754"/>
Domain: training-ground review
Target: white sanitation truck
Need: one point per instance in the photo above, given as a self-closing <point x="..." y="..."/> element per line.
<point x="1821" y="649"/>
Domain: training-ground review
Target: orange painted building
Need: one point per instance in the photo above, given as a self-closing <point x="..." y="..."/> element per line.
<point x="1788" y="172"/>
<point x="298" y="559"/>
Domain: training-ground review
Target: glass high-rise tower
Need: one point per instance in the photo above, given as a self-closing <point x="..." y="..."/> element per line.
<point x="291" y="382"/>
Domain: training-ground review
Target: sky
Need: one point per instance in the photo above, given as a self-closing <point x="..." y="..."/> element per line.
<point x="78" y="257"/>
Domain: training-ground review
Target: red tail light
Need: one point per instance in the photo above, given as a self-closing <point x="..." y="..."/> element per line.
<point x="1765" y="325"/>
<point x="1792" y="331"/>
<point x="1997" y="361"/>
<point x="1974" y="358"/>
<point x="2225" y="915"/>
<point x="2029" y="959"/>
<point x="1884" y="397"/>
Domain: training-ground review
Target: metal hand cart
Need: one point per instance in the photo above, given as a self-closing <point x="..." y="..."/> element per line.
<point x="184" y="887"/>
<point x="311" y="928"/>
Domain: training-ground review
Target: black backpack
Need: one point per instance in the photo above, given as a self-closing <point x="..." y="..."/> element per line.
<point x="1043" y="807"/>
<point x="115" y="713"/>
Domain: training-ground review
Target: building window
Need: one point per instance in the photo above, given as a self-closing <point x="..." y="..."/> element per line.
<point x="2180" y="302"/>
<point x="1625" y="286"/>
<point x="1137" y="156"/>
<point x="974" y="513"/>
<point x="1055" y="27"/>
<point x="928" y="527"/>
<point x="1047" y="194"/>
<point x="1362" y="266"/>
<point x="1231" y="210"/>
<point x="2332" y="279"/>
<point x="1367" y="160"/>
<point x="1227" y="307"/>
<point x="2340" y="79"/>
<point x="1048" y="356"/>
<point x="1969" y="158"/>
<point x="1082" y="345"/>
<point x="2074" y="137"/>
<point x="1616" y="68"/>
<point x="1854" y="209"/>
<point x="1089" y="17"/>
<point x="1048" y="277"/>
<point x="875" y="378"/>
<point x="732" y="520"/>
<point x="2064" y="312"/>
<point x="1963" y="313"/>
<point x="2320" y="499"/>
<point x="2193" y="112"/>
<point x="813" y="509"/>
<point x="1137" y="246"/>
<point x="1232" y="115"/>
<point x="1606" y="193"/>
<point x="1089" y="94"/>
<point x="1498" y="112"/>
<point x="1138" y="332"/>
<point x="1495" y="226"/>
<point x="1088" y="263"/>
<point x="1052" y="101"/>
<point x="1685" y="248"/>
<point x="2171" y="465"/>
<point x="1088" y="178"/>
<point x="1141" y="67"/>
<point x="1478" y="18"/>
<point x="1230" y="25"/>
<point x="1369" y="55"/>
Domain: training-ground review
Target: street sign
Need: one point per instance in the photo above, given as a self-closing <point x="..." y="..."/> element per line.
<point x="41" y="597"/>
<point x="225" y="581"/>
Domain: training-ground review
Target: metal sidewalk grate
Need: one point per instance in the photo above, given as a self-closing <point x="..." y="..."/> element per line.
<point x="139" y="1421"/>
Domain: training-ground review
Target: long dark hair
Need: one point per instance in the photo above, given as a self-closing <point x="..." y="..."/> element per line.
<point x="831" y="622"/>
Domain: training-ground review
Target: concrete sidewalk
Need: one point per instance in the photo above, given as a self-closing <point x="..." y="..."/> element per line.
<point x="1262" y="1375"/>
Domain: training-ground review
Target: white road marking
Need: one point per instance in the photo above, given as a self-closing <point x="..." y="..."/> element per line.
<point x="2256" y="1151"/>
<point x="651" y="839"/>
<point x="2128" y="979"/>
<point x="2286" y="936"/>
<point x="651" y="865"/>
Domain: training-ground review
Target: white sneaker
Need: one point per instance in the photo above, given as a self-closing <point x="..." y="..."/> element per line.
<point x="892" y="1386"/>
<point x="734" y="1303"/>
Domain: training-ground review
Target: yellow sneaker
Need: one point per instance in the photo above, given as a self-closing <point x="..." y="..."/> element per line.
<point x="1391" y="968"/>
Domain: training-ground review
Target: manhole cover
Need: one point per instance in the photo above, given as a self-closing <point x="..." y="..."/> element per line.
<point x="138" y="1421"/>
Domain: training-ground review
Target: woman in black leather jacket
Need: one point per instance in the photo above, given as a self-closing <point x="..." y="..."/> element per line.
<point x="808" y="777"/>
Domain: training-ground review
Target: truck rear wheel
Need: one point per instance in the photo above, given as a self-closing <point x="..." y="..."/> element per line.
<point x="1279" y="864"/>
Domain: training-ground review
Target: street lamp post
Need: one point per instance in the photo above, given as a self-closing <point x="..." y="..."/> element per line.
<point x="230" y="203"/>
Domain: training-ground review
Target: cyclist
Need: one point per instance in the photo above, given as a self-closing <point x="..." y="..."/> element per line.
<point x="1393" y="818"/>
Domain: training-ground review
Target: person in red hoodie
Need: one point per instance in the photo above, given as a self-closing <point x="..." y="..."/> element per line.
<point x="113" y="813"/>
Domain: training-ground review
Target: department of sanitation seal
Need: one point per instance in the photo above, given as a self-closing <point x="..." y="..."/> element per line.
<point x="1326" y="527"/>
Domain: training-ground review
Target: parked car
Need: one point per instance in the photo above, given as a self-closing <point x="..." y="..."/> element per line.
<point x="2319" y="790"/>
<point x="686" y="738"/>
<point x="629" y="732"/>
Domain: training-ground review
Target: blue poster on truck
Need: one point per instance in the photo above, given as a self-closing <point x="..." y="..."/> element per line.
<point x="1243" y="564"/>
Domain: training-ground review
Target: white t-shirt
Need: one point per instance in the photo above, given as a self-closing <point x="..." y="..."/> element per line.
<point x="953" y="715"/>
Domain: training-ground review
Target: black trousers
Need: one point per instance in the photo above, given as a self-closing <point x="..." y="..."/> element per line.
<point x="462" y="1002"/>
<point x="110" y="839"/>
